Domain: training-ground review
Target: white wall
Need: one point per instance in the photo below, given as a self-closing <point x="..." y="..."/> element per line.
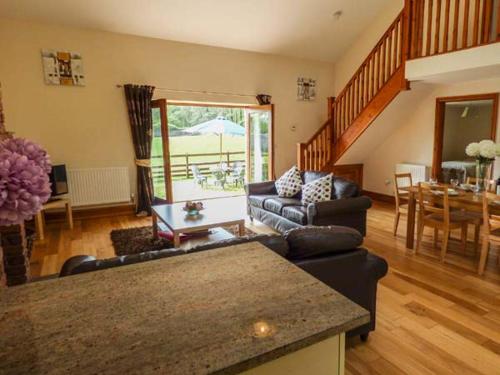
<point x="88" y="126"/>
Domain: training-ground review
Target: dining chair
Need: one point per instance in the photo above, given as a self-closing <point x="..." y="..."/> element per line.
<point x="401" y="180"/>
<point x="491" y="231"/>
<point x="441" y="217"/>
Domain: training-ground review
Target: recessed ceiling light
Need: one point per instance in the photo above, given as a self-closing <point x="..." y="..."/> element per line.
<point x="337" y="14"/>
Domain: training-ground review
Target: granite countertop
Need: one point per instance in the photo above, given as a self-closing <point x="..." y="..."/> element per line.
<point x="224" y="311"/>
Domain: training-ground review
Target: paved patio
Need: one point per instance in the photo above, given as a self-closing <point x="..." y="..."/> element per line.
<point x="185" y="190"/>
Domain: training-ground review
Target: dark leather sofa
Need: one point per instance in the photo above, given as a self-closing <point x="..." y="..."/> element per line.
<point x="346" y="207"/>
<point x="331" y="254"/>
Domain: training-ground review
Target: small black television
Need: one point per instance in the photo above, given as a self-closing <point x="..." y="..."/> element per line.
<point x="58" y="180"/>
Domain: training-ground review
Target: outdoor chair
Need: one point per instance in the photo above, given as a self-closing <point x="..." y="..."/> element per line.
<point x="238" y="175"/>
<point x="219" y="177"/>
<point x="197" y="176"/>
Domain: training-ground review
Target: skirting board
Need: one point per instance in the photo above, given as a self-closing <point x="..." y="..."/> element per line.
<point x="379" y="197"/>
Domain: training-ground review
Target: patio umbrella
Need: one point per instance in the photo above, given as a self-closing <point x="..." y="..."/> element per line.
<point x="218" y="126"/>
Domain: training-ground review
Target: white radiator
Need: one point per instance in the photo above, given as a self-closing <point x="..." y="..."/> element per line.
<point x="419" y="173"/>
<point x="98" y="186"/>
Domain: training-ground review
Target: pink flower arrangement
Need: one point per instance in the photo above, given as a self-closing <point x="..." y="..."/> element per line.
<point x="24" y="180"/>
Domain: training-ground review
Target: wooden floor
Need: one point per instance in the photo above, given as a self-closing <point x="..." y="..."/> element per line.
<point x="431" y="318"/>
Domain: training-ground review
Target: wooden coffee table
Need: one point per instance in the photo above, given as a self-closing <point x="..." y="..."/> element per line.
<point x="217" y="213"/>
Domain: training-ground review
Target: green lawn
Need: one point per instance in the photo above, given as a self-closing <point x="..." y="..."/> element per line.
<point x="201" y="144"/>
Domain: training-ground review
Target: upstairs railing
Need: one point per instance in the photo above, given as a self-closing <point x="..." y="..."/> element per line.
<point x="442" y="26"/>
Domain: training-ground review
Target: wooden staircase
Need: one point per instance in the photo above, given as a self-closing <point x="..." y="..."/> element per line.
<point x="423" y="28"/>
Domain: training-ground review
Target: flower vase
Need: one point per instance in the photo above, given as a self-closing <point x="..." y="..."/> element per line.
<point x="16" y="254"/>
<point x="482" y="169"/>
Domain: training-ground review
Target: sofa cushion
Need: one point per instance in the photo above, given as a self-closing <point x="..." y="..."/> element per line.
<point x="276" y="204"/>
<point x="290" y="183"/>
<point x="310" y="176"/>
<point x="343" y="188"/>
<point x="297" y="214"/>
<point x="312" y="241"/>
<point x="319" y="190"/>
<point x="258" y="200"/>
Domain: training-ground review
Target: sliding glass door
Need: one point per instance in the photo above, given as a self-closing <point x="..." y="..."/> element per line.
<point x="209" y="151"/>
<point x="259" y="153"/>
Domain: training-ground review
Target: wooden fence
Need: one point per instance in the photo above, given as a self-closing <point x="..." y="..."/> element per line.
<point x="183" y="170"/>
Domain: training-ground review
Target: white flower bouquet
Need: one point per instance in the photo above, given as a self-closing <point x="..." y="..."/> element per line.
<point x="484" y="151"/>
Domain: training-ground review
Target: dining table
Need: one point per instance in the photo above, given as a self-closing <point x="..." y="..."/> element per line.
<point x="462" y="199"/>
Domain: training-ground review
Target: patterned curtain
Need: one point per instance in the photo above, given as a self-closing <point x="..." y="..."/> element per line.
<point x="141" y="125"/>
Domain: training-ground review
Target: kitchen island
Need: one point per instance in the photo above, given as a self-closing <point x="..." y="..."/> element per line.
<point x="237" y="309"/>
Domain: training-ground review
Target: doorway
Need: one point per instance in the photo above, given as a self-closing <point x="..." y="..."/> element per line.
<point x="204" y="151"/>
<point x="461" y="120"/>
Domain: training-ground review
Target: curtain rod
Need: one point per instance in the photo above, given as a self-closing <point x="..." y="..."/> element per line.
<point x="201" y="92"/>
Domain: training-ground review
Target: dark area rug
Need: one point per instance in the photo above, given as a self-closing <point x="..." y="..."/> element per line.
<point x="140" y="239"/>
<point x="137" y="240"/>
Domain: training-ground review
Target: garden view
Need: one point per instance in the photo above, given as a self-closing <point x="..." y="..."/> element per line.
<point x="201" y="150"/>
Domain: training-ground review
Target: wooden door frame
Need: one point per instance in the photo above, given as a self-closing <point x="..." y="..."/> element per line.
<point x="162" y="105"/>
<point x="271" y="175"/>
<point x="437" y="156"/>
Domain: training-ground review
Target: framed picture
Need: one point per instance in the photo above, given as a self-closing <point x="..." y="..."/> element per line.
<point x="306" y="89"/>
<point x="63" y="68"/>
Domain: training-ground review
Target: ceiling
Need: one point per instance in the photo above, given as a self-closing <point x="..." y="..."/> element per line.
<point x="297" y="28"/>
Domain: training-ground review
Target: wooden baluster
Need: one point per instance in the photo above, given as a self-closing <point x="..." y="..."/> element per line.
<point x="313" y="156"/>
<point x="398" y="48"/>
<point x="420" y="27"/>
<point x="389" y="54"/>
<point x="356" y="96"/>
<point x="487" y="14"/>
<point x="429" y="29"/>
<point x="410" y="28"/>
<point x="308" y="157"/>
<point x="362" y="86"/>
<point x="320" y="149"/>
<point x="344" y="113"/>
<point x="349" y="107"/>
<point x="382" y="64"/>
<point x="324" y="147"/>
<point x="367" y="82"/>
<point x="446" y="26"/>
<point x="353" y="100"/>
<point x="456" y="14"/>
<point x="360" y="90"/>
<point x="465" y="33"/>
<point x="475" y="32"/>
<point x="338" y="113"/>
<point x="300" y="156"/>
<point x="370" y="78"/>
<point x="437" y="27"/>
<point x="315" y="151"/>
